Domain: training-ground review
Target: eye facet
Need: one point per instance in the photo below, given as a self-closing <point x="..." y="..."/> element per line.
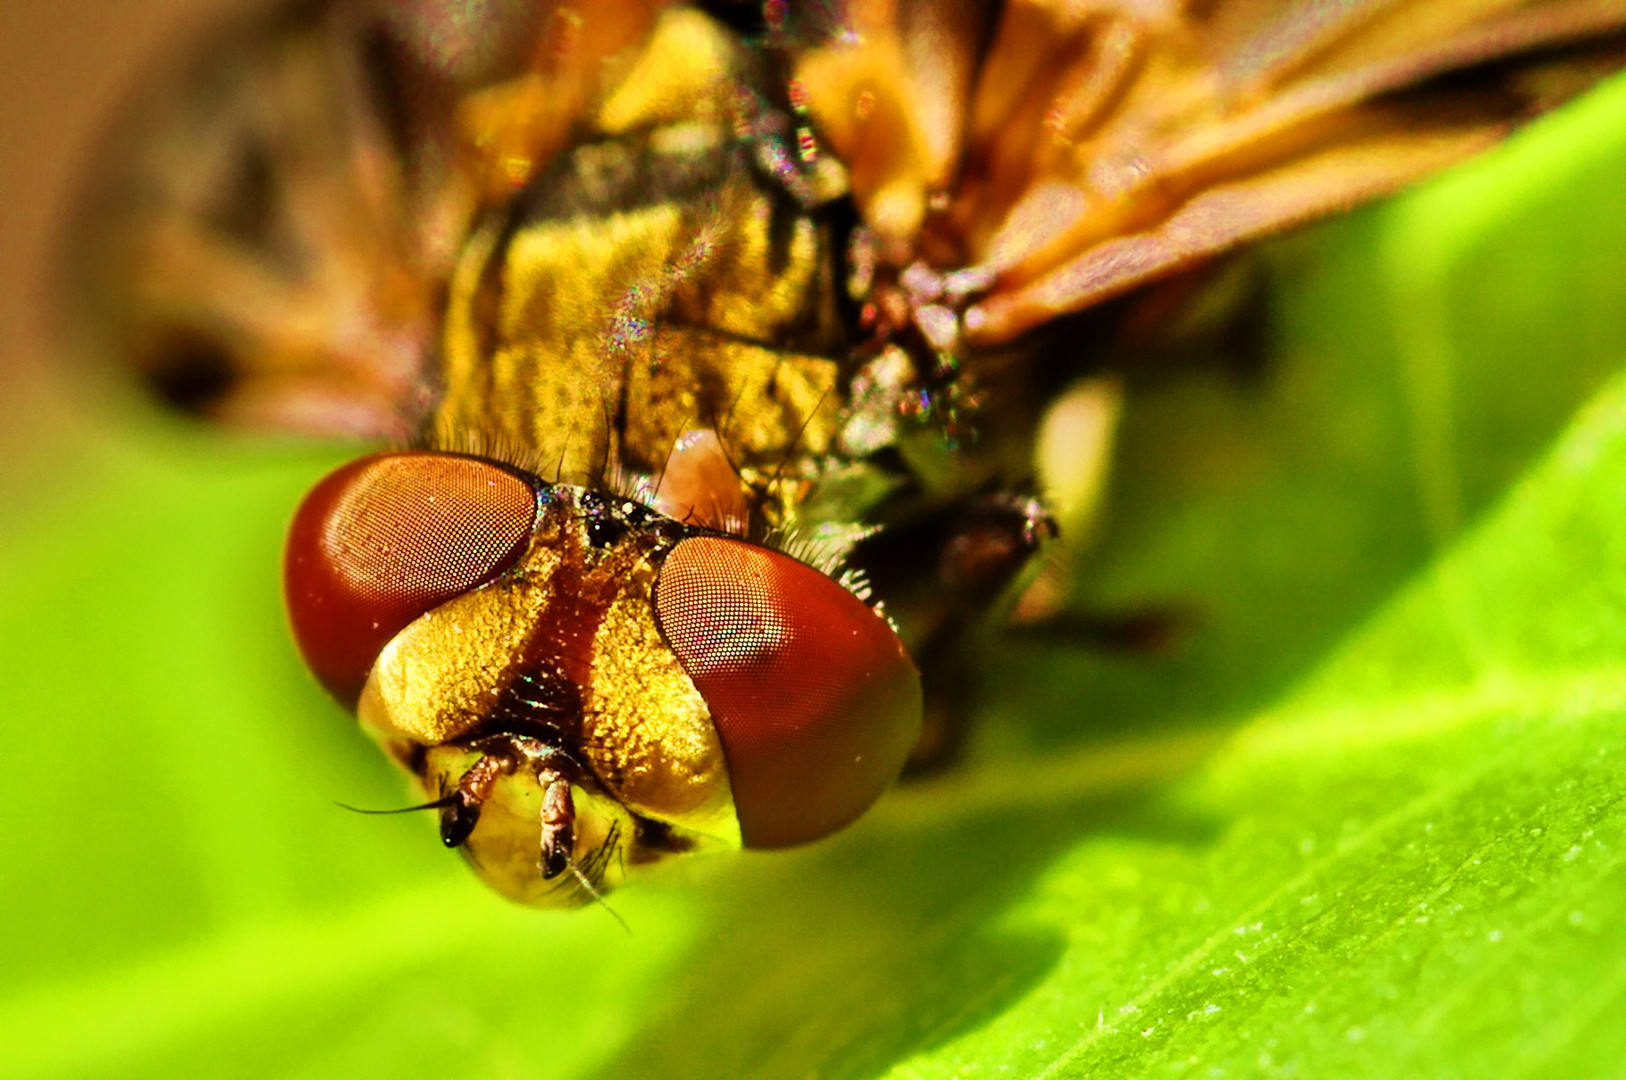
<point x="385" y="539"/>
<point x="814" y="698"/>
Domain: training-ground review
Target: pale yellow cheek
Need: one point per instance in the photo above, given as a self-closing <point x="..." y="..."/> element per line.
<point x="505" y="848"/>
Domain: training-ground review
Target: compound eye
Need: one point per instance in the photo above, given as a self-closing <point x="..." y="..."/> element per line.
<point x="814" y="698"/>
<point x="385" y="539"/>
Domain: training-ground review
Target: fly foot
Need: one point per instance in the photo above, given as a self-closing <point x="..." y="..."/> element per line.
<point x="994" y="540"/>
<point x="504" y="755"/>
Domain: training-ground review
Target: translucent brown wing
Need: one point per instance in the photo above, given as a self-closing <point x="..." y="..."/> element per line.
<point x="1070" y="151"/>
<point x="272" y="237"/>
<point x="269" y="228"/>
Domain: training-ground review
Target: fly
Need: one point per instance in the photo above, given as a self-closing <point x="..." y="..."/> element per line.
<point x="739" y="358"/>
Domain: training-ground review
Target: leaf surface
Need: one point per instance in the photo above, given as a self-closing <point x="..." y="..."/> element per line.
<point x="1363" y="817"/>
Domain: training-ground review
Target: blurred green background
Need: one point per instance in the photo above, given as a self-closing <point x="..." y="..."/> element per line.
<point x="1364" y="818"/>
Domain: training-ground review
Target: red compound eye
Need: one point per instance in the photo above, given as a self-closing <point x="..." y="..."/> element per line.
<point x="814" y="698"/>
<point x="384" y="539"/>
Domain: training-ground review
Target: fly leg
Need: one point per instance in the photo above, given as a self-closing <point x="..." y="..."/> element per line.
<point x="503" y="755"/>
<point x="944" y="577"/>
<point x="553" y="769"/>
<point x="991" y="543"/>
<point x="461" y="811"/>
<point x="558" y="821"/>
<point x="938" y="570"/>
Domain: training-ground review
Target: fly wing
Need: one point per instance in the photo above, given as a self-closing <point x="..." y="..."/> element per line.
<point x="271" y="242"/>
<point x="269" y="235"/>
<point x="245" y="247"/>
<point x="1102" y="145"/>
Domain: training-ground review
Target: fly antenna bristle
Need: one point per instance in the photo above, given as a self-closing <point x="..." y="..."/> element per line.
<point x="601" y="470"/>
<point x="666" y="463"/>
<point x="795" y="443"/>
<point x="598" y="897"/>
<point x="434" y="804"/>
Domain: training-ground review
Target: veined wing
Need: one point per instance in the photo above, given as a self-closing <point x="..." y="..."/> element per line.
<point x="1089" y="148"/>
<point x="275" y="238"/>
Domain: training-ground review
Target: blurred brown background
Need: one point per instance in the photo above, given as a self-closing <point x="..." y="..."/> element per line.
<point x="65" y="68"/>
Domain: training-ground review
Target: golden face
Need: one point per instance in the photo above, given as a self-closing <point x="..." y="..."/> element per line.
<point x="714" y="327"/>
<point x="581" y="684"/>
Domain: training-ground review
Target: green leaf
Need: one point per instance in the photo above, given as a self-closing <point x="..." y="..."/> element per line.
<point x="1363" y="817"/>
